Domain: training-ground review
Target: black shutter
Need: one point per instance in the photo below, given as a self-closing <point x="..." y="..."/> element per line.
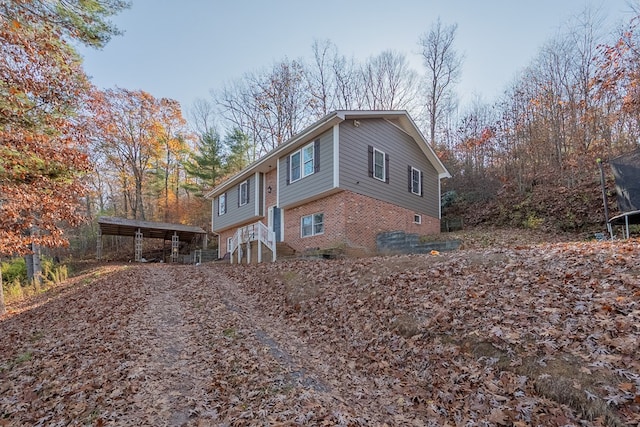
<point x="410" y="180"/>
<point x="316" y="155"/>
<point x="386" y="168"/>
<point x="371" y="161"/>
<point x="239" y="194"/>
<point x="248" y="191"/>
<point x="421" y="184"/>
<point x="288" y="170"/>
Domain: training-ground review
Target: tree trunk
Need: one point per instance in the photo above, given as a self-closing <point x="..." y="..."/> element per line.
<point x="139" y="201"/>
<point x="34" y="268"/>
<point x="3" y="308"/>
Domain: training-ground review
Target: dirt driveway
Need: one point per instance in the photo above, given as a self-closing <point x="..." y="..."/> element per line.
<point x="159" y="345"/>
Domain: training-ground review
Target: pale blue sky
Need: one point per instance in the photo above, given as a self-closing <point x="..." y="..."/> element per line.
<point x="184" y="49"/>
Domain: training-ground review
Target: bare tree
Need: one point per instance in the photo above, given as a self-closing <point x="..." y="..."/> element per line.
<point x="202" y="115"/>
<point x="444" y="66"/>
<point x="273" y="105"/>
<point x="270" y="107"/>
<point x="389" y="83"/>
<point x="321" y="78"/>
<point x="348" y="83"/>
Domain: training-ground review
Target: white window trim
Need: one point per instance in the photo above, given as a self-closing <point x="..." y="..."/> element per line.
<point x="220" y="210"/>
<point x="417" y="219"/>
<point x="419" y="193"/>
<point x="373" y="166"/>
<point x="313" y="225"/>
<point x="301" y="163"/>
<point x="246" y="201"/>
<point x="312" y="160"/>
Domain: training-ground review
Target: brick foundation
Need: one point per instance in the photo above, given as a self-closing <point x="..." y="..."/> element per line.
<point x="352" y="222"/>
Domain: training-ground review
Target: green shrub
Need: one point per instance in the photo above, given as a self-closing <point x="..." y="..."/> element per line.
<point x="12" y="291"/>
<point x="52" y="273"/>
<point x="532" y="222"/>
<point x="14" y="277"/>
<point x="14" y="269"/>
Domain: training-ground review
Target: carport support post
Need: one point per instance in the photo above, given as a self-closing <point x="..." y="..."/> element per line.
<point x="175" y="246"/>
<point x="138" y="246"/>
<point x="99" y="245"/>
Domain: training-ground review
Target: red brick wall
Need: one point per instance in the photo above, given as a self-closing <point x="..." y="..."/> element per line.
<point x="354" y="221"/>
<point x="333" y="209"/>
<point x="223" y="241"/>
<point x="367" y="217"/>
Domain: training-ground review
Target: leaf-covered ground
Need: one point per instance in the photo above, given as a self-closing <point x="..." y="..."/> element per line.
<point x="543" y="335"/>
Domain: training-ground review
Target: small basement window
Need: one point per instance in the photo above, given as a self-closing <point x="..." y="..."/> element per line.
<point x="417" y="219"/>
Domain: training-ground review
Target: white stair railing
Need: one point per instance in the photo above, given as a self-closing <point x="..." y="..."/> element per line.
<point x="250" y="233"/>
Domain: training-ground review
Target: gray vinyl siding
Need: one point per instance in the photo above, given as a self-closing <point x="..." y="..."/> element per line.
<point x="403" y="152"/>
<point x="235" y="214"/>
<point x="311" y="185"/>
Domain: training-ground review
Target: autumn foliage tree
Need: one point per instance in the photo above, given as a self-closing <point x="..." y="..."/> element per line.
<point x="141" y="139"/>
<point x="575" y="102"/>
<point x="43" y="91"/>
<point x="618" y="82"/>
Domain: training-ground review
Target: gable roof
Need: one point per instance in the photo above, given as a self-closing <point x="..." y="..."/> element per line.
<point x="399" y="118"/>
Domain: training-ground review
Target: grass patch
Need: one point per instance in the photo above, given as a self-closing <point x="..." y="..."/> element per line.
<point x="19" y="359"/>
<point x="229" y="333"/>
<point x="23" y="357"/>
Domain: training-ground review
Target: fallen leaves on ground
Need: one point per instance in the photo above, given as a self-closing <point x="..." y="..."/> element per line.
<point x="527" y="335"/>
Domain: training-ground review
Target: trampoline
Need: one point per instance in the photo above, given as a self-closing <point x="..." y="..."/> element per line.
<point x="626" y="171"/>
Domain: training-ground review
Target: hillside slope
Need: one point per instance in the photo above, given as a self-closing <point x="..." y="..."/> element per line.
<point x="525" y="335"/>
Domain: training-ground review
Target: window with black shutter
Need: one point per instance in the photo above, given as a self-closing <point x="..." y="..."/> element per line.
<point x="378" y="164"/>
<point x="415" y="181"/>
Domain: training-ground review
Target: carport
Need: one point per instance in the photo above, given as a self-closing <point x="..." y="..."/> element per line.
<point x="139" y="230"/>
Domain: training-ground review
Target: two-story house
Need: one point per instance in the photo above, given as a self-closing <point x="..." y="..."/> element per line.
<point x="346" y="178"/>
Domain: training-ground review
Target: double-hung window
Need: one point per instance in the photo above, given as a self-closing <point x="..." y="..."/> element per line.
<point x="222" y="204"/>
<point x="312" y="225"/>
<point x="378" y="164"/>
<point x="307" y="160"/>
<point x="243" y="191"/>
<point x="415" y="181"/>
<point x="303" y="162"/>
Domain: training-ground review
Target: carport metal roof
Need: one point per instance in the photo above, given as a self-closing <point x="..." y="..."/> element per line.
<point x="154" y="230"/>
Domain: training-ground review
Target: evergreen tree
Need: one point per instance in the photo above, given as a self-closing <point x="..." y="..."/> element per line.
<point x="206" y="162"/>
<point x="238" y="145"/>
